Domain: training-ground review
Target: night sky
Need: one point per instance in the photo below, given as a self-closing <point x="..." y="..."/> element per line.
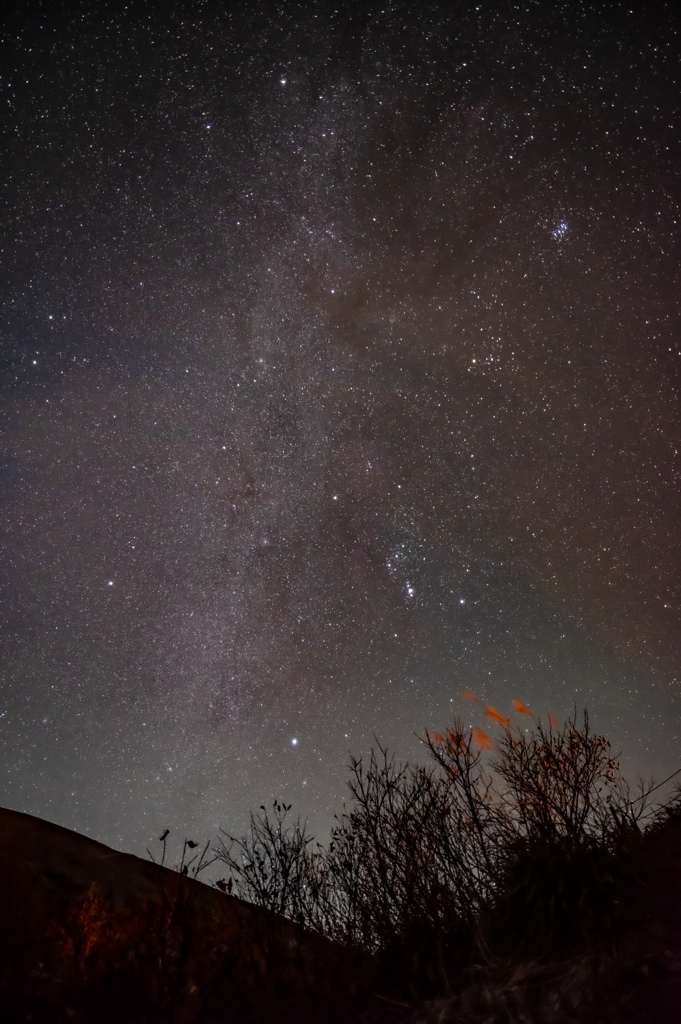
<point x="340" y="374"/>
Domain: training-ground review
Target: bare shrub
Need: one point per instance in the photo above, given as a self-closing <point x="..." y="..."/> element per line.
<point x="480" y="856"/>
<point x="273" y="865"/>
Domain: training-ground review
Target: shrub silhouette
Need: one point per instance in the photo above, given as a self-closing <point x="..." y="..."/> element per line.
<point x="272" y="866"/>
<point x="526" y="853"/>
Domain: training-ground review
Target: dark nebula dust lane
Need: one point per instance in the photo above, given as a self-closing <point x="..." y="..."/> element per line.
<point x="339" y="374"/>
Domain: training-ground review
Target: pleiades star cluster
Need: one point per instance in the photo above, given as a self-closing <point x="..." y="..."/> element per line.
<point x="340" y="374"/>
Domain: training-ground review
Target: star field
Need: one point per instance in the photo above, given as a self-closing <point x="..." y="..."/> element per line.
<point x="340" y="373"/>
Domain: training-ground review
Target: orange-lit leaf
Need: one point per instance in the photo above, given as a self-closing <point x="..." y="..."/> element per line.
<point x="521" y="708"/>
<point x="437" y="739"/>
<point x="497" y="716"/>
<point x="482" y="739"/>
<point x="467" y="695"/>
<point x="553" y="721"/>
<point x="455" y="739"/>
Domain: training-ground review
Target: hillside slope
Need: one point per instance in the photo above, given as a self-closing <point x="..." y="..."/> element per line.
<point x="92" y="934"/>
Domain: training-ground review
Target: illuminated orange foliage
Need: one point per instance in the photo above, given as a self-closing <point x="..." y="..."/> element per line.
<point x="437" y="739"/>
<point x="553" y="721"/>
<point x="496" y="716"/>
<point x="521" y="708"/>
<point x="467" y="695"/>
<point x="482" y="739"/>
<point x="91" y="919"/>
<point x="455" y="739"/>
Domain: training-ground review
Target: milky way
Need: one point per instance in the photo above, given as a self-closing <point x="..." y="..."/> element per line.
<point x="340" y="374"/>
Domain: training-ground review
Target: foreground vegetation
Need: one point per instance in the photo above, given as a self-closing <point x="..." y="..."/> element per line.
<point x="520" y="880"/>
<point x="515" y="879"/>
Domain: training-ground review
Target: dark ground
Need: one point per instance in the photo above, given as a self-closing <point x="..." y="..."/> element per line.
<point x="90" y="934"/>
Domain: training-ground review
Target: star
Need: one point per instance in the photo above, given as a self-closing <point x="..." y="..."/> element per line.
<point x="263" y="438"/>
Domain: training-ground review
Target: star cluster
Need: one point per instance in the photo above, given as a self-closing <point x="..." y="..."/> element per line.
<point x="340" y="374"/>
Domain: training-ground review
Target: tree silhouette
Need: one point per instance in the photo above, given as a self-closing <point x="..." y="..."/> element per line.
<point x="518" y="845"/>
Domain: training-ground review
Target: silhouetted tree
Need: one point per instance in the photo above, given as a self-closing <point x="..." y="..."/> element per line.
<point x="521" y="848"/>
